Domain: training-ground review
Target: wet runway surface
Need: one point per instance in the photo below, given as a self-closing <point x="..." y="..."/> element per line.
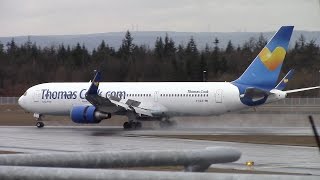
<point x="274" y="158"/>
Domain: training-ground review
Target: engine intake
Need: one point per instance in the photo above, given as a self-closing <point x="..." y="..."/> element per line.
<point x="87" y="115"/>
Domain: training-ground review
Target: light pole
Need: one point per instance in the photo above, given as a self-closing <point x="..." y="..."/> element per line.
<point x="204" y="76"/>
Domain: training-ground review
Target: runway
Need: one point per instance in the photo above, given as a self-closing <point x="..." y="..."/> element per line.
<point x="271" y="158"/>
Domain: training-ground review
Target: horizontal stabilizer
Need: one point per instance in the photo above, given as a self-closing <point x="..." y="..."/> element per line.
<point x="283" y="83"/>
<point x="302" y="89"/>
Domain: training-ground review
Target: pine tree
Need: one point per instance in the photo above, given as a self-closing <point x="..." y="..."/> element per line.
<point x="229" y="48"/>
<point x="77" y="55"/>
<point x="169" y="46"/>
<point x="1" y="48"/>
<point x="216" y="46"/>
<point x="127" y="46"/>
<point x="62" y="52"/>
<point x="300" y="44"/>
<point x="11" y="47"/>
<point x="159" y="47"/>
<point x="102" y="46"/>
<point x="192" y="48"/>
<point x="193" y="66"/>
<point x="262" y="41"/>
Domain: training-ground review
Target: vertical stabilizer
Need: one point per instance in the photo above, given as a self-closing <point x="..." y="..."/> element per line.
<point x="264" y="71"/>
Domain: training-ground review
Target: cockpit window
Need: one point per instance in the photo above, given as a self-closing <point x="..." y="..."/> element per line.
<point x="25" y="93"/>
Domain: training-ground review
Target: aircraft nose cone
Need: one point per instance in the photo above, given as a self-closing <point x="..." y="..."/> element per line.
<point x="20" y="101"/>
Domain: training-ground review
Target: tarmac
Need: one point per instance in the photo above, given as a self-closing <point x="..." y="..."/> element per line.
<point x="300" y="160"/>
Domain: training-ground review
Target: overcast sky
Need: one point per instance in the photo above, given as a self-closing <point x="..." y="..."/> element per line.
<point x="47" y="17"/>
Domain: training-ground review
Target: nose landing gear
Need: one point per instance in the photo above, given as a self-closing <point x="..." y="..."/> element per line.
<point x="39" y="117"/>
<point x="39" y="124"/>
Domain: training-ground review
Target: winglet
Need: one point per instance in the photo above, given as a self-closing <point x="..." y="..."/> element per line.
<point x="95" y="84"/>
<point x="283" y="83"/>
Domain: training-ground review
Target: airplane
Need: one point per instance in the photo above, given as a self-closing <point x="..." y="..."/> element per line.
<point x="92" y="102"/>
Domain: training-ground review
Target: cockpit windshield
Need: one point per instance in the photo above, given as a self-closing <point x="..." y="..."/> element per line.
<point x="25" y="93"/>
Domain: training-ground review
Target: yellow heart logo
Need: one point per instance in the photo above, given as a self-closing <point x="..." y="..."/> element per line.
<point x="272" y="59"/>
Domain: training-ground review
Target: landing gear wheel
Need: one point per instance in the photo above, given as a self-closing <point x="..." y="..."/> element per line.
<point x="138" y="125"/>
<point x="132" y="125"/>
<point x="167" y="124"/>
<point x="127" y="125"/>
<point x="40" y="124"/>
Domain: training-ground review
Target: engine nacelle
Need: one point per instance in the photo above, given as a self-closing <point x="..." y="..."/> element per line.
<point x="87" y="115"/>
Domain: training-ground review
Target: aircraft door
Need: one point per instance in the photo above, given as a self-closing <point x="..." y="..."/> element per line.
<point x="219" y="96"/>
<point x="36" y="96"/>
<point x="156" y="96"/>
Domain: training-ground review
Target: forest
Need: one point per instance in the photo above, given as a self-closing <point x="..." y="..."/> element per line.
<point x="25" y="65"/>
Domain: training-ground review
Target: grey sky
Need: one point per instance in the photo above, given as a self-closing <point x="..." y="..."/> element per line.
<point x="44" y="17"/>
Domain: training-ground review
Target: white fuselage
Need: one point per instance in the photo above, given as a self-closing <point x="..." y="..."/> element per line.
<point x="176" y="98"/>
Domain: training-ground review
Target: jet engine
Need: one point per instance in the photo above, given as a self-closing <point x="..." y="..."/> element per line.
<point x="87" y="115"/>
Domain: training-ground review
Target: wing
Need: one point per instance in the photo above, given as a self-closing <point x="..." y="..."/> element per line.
<point x="101" y="103"/>
<point x="115" y="104"/>
<point x="144" y="108"/>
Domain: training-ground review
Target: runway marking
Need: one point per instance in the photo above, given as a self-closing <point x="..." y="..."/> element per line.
<point x="40" y="149"/>
<point x="305" y="141"/>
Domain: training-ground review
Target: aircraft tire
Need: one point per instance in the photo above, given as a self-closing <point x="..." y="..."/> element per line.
<point x="167" y="124"/>
<point x="138" y="125"/>
<point x="40" y="124"/>
<point x="127" y="125"/>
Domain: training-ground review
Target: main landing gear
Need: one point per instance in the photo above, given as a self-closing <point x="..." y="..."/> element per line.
<point x="132" y="125"/>
<point x="39" y="117"/>
<point x="166" y="123"/>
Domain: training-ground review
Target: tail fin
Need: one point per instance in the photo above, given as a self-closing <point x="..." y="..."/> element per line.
<point x="283" y="83"/>
<point x="264" y="71"/>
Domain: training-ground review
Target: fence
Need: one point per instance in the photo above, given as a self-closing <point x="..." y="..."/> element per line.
<point x="284" y="102"/>
<point x="8" y="100"/>
<point x="297" y="102"/>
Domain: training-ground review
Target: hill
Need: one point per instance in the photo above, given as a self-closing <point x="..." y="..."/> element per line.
<point x="148" y="38"/>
